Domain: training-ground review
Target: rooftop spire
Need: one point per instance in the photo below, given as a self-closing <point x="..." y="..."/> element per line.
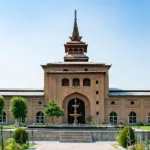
<point x="75" y="15"/>
<point x="75" y="33"/>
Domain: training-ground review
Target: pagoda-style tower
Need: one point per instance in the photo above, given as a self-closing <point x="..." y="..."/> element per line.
<point x="75" y="48"/>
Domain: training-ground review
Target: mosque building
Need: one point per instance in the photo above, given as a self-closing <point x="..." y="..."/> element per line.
<point x="88" y="83"/>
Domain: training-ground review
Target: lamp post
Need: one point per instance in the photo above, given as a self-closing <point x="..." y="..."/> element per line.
<point x="147" y="143"/>
<point x="2" y="137"/>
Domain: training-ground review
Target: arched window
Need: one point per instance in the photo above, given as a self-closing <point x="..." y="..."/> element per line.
<point x="65" y="82"/>
<point x="3" y="118"/>
<point x="148" y="117"/>
<point x="76" y="82"/>
<point x="113" y="117"/>
<point x="65" y="70"/>
<point x="39" y="102"/>
<point x="39" y="117"/>
<point x="86" y="82"/>
<point x="132" y="117"/>
<point x="132" y="102"/>
<point x="112" y="103"/>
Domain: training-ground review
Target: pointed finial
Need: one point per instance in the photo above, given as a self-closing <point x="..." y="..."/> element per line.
<point x="75" y="14"/>
<point x="75" y="33"/>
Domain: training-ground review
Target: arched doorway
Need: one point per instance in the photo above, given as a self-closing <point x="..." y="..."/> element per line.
<point x="80" y="110"/>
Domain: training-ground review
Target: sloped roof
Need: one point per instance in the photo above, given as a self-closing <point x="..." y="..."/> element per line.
<point x="21" y="92"/>
<point x="121" y="92"/>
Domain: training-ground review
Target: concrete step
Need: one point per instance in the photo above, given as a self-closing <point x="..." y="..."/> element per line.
<point x="76" y="137"/>
<point x="76" y="140"/>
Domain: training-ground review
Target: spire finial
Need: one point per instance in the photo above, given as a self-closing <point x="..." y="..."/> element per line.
<point x="75" y="34"/>
<point x="75" y="14"/>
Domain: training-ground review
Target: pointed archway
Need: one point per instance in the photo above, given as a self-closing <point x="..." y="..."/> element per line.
<point x="80" y="110"/>
<point x="84" y="106"/>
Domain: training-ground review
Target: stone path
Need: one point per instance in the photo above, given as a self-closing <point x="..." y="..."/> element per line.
<point x="73" y="146"/>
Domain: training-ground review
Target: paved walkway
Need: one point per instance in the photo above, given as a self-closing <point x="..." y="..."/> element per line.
<point x="73" y="146"/>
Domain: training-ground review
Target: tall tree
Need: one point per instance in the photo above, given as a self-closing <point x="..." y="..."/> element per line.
<point x="53" y="110"/>
<point x="2" y="104"/>
<point x="18" y="108"/>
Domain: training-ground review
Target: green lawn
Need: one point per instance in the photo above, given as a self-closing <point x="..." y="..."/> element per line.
<point x="9" y="127"/>
<point x="142" y="127"/>
<point x="145" y="127"/>
<point x="5" y="127"/>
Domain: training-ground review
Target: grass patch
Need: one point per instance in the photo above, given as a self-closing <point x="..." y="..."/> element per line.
<point x="5" y="127"/>
<point x="142" y="127"/>
<point x="116" y="145"/>
<point x="31" y="144"/>
<point x="145" y="127"/>
<point x="8" y="127"/>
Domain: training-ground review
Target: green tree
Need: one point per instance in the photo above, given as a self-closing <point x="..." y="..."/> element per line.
<point x="18" y="108"/>
<point x="53" y="110"/>
<point x="2" y="104"/>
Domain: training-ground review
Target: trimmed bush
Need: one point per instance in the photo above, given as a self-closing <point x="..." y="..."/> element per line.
<point x="17" y="135"/>
<point x="123" y="136"/>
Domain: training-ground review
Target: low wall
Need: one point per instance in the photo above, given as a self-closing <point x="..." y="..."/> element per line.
<point x="48" y="135"/>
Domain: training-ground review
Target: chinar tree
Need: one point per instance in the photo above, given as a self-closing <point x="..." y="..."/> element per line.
<point x="53" y="110"/>
<point x="2" y="104"/>
<point x="18" y="109"/>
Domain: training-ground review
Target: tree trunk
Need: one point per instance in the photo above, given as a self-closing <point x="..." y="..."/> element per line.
<point x="53" y="119"/>
<point x="16" y="123"/>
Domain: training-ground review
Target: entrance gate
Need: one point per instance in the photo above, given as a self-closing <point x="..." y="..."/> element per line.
<point x="80" y="110"/>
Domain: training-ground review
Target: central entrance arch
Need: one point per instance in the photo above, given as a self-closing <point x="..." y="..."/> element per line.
<point x="84" y="106"/>
<point x="80" y="110"/>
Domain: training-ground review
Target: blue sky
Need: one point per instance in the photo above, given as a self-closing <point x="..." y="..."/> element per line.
<point x="32" y="32"/>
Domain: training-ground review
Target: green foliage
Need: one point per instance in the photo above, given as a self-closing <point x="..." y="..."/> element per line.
<point x="123" y="136"/>
<point x="121" y="123"/>
<point x="139" y="146"/>
<point x="89" y="119"/>
<point x="23" y="125"/>
<point x="53" y="110"/>
<point x="117" y="138"/>
<point x="140" y="124"/>
<point x="20" y="135"/>
<point x="2" y="104"/>
<point x="9" y="144"/>
<point x="18" y="107"/>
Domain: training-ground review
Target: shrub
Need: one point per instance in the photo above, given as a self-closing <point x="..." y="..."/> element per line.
<point x="140" y="124"/>
<point x="89" y="119"/>
<point x="121" y="123"/>
<point x="17" y="135"/>
<point x="141" y="146"/>
<point x="23" y="125"/>
<point x="123" y="136"/>
<point x="9" y="144"/>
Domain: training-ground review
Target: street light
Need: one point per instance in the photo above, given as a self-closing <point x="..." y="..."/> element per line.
<point x="1" y="127"/>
